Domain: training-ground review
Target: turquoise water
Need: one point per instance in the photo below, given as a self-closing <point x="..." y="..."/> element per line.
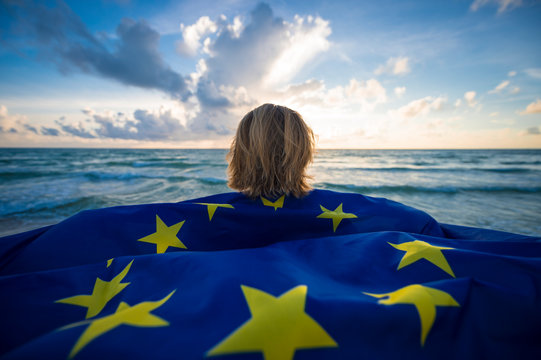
<point x="497" y="189"/>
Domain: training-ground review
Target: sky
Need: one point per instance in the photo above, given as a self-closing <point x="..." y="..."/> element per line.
<point x="182" y="74"/>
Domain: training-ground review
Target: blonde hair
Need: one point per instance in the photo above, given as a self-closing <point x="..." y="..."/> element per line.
<point x="270" y="153"/>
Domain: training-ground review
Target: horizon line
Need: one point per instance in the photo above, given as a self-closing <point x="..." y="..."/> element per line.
<point x="220" y="148"/>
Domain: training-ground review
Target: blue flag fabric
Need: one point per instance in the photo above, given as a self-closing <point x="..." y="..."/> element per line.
<point x="329" y="276"/>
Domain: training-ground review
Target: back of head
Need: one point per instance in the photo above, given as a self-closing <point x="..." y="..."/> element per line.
<point x="270" y="153"/>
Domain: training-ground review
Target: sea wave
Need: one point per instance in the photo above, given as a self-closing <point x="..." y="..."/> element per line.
<point x="97" y="176"/>
<point x="211" y="180"/>
<point x="151" y="163"/>
<point x="520" y="162"/>
<point x="21" y="175"/>
<point x="420" y="189"/>
<point x="431" y="169"/>
<point x="129" y="176"/>
<point x="66" y="206"/>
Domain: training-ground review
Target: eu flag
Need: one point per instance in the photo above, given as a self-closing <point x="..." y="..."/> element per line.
<point x="328" y="276"/>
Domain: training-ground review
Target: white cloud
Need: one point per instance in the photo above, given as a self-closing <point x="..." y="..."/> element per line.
<point x="534" y="72"/>
<point x="19" y="126"/>
<point x="421" y="107"/>
<point x="399" y="91"/>
<point x="503" y="5"/>
<point x="514" y="90"/>
<point x="458" y="102"/>
<point x="500" y="87"/>
<point x="494" y="114"/>
<point x="11" y="123"/>
<point x="306" y="38"/>
<point x="368" y="94"/>
<point x="512" y="73"/>
<point x="533" y="108"/>
<point x="192" y="34"/>
<point x="7" y="123"/>
<point x="469" y="96"/>
<point x="265" y="53"/>
<point x="248" y="64"/>
<point x="394" y="66"/>
<point x="236" y="28"/>
<point x="369" y="91"/>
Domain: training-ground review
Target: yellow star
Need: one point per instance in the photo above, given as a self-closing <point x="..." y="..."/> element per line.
<point x="164" y="236"/>
<point x="425" y="300"/>
<point x="277" y="204"/>
<point x="102" y="293"/>
<point x="136" y="315"/>
<point x="211" y="208"/>
<point x="277" y="328"/>
<point x="336" y="215"/>
<point x="416" y="250"/>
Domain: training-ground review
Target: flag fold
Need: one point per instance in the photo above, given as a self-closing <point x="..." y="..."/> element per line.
<point x="328" y="276"/>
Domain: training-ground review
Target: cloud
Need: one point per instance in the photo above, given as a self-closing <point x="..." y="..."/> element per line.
<point x="30" y="128"/>
<point x="534" y="72"/>
<point x="18" y="124"/>
<point x="421" y="107"/>
<point x="13" y="124"/>
<point x="469" y="96"/>
<point x="143" y="125"/>
<point x="62" y="38"/>
<point x="311" y="86"/>
<point x="536" y="130"/>
<point x="500" y="87"/>
<point x="267" y="52"/>
<point x="503" y="5"/>
<point x="368" y="94"/>
<point x="394" y="66"/>
<point x="307" y="37"/>
<point x="192" y="34"/>
<point x="399" y="91"/>
<point x="514" y="90"/>
<point x="512" y="73"/>
<point x="240" y="65"/>
<point x="49" y="131"/>
<point x="250" y="62"/>
<point x="533" y="108"/>
<point x="492" y="114"/>
<point x="87" y="111"/>
<point x="77" y="130"/>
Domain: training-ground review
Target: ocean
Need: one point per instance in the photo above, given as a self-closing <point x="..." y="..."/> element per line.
<point x="495" y="189"/>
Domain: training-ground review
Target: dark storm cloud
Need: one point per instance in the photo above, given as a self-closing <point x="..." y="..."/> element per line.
<point x="61" y="37"/>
